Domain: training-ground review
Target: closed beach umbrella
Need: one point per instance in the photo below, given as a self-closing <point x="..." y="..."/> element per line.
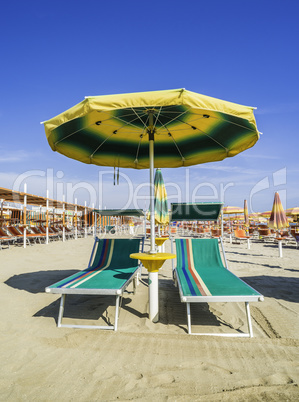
<point x="171" y="128"/>
<point x="278" y="219"/>
<point x="246" y="217"/>
<point x="161" y="204"/>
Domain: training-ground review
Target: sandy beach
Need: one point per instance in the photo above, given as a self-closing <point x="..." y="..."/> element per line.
<point x="142" y="360"/>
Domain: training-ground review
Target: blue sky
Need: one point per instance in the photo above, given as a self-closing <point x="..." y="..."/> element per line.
<point x="56" y="52"/>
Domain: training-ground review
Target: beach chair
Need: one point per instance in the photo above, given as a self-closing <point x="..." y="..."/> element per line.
<point x="240" y="235"/>
<point x="109" y="272"/>
<point x="6" y="238"/>
<point x="19" y="237"/>
<point x="202" y="278"/>
<point x="31" y="235"/>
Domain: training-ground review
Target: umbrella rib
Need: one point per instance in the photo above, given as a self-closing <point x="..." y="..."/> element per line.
<point x="158" y="114"/>
<point x="75" y="132"/>
<point x="106" y="139"/>
<point x="175" y="143"/>
<point x="126" y="123"/>
<point x="144" y="124"/>
<point x="230" y="122"/>
<point x="177" y="147"/>
<point x="211" y="138"/>
<point x="175" y="118"/>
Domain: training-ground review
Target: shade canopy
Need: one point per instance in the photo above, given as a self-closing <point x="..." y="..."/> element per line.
<point x="203" y="211"/>
<point x="188" y="129"/>
<point x="119" y="212"/>
<point x="31" y="199"/>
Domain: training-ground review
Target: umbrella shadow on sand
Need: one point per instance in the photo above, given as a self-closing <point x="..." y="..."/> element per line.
<point x="277" y="287"/>
<point x="36" y="282"/>
<point x="173" y="312"/>
<point x="86" y="307"/>
<point x="77" y="306"/>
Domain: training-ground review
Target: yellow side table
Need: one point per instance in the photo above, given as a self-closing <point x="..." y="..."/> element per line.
<point x="153" y="262"/>
<point x="160" y="243"/>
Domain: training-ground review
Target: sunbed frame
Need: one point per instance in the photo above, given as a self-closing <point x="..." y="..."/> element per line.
<point x="204" y="279"/>
<point x="109" y="273"/>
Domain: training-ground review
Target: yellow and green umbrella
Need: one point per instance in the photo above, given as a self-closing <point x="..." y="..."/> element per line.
<point x="188" y="129"/>
<point x="171" y="128"/>
<point x="160" y="201"/>
<point x="180" y="127"/>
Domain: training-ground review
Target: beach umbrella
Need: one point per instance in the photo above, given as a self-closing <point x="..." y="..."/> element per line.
<point x="171" y="128"/>
<point x="278" y="219"/>
<point x="230" y="210"/>
<point x="265" y="214"/>
<point x="293" y="212"/>
<point x="160" y="200"/>
<point x="246" y="217"/>
<point x="233" y="210"/>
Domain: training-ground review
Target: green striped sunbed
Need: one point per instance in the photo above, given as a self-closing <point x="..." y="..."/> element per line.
<point x="202" y="277"/>
<point x="109" y="272"/>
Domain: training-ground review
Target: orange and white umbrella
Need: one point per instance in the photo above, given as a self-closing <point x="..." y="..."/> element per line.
<point x="292" y="211"/>
<point x="278" y="219"/>
<point x="265" y="214"/>
<point x="246" y="217"/>
<point x="233" y="210"/>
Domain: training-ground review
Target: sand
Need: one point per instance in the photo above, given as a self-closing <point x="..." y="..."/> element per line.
<point x="142" y="360"/>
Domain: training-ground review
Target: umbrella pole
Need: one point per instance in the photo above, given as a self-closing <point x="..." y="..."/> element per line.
<point x="152" y="194"/>
<point x="153" y="288"/>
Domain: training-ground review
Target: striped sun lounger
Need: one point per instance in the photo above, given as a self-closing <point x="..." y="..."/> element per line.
<point x="110" y="271"/>
<point x="202" y="277"/>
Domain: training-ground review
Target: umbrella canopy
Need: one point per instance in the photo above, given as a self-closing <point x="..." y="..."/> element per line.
<point x="188" y="129"/>
<point x="265" y="214"/>
<point x="278" y="219"/>
<point x="161" y="205"/>
<point x="233" y="210"/>
<point x="292" y="211"/>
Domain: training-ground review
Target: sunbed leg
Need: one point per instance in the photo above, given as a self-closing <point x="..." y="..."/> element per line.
<point x="135" y="283"/>
<point x="116" y="312"/>
<point x="189" y="318"/>
<point x="223" y="253"/>
<point x="249" y="319"/>
<point x="61" y="309"/>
